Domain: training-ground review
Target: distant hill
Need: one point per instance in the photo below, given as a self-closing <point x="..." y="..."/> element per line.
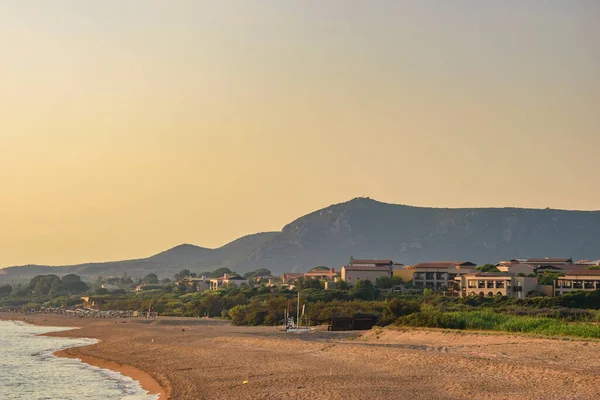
<point x="367" y="228"/>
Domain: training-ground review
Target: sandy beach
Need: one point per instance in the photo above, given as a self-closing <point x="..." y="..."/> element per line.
<point x="211" y="359"/>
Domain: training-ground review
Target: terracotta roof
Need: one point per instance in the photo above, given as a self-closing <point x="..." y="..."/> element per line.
<point x="583" y="272"/>
<point x="372" y="262"/>
<point x="548" y="260"/>
<point x="292" y="275"/>
<point x="231" y="277"/>
<point x="519" y="264"/>
<point x="322" y="273"/>
<point x="366" y="268"/>
<point x="442" y="264"/>
<point x="490" y="275"/>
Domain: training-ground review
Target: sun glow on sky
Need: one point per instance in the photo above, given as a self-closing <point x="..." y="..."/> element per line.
<point x="129" y="127"/>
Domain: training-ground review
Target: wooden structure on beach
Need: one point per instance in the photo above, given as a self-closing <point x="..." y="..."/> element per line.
<point x="358" y="322"/>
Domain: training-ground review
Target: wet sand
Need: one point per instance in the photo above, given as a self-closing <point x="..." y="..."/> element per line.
<point x="210" y="359"/>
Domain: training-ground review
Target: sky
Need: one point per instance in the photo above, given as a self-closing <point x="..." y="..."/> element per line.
<point x="128" y="127"/>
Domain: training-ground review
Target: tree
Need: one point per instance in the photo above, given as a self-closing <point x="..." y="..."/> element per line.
<point x="5" y="290"/>
<point x="71" y="284"/>
<point x="364" y="290"/>
<point x="220" y="272"/>
<point x="101" y="291"/>
<point x="342" y="285"/>
<point x="42" y="284"/>
<point x="257" y="273"/>
<point x="547" y="278"/>
<point x="387" y="282"/>
<point x="151" y="279"/>
<point x="488" y="268"/>
<point x="184" y="273"/>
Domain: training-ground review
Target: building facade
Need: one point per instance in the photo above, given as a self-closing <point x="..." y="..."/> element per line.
<point x="577" y="280"/>
<point x="329" y="274"/>
<point x="435" y="275"/>
<point x="218" y="283"/>
<point x="490" y="284"/>
<point x="352" y="274"/>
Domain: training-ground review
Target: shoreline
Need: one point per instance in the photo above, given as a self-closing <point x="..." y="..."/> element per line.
<point x="146" y="381"/>
<point x="211" y="359"/>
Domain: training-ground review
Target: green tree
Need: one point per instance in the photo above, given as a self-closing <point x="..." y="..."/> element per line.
<point x="488" y="268"/>
<point x="257" y="273"/>
<point x="219" y="272"/>
<point x="101" y="291"/>
<point x="387" y="282"/>
<point x="342" y="285"/>
<point x="547" y="278"/>
<point x="151" y="279"/>
<point x="184" y="273"/>
<point x="42" y="284"/>
<point x="5" y="290"/>
<point x="364" y="290"/>
<point x="71" y="284"/>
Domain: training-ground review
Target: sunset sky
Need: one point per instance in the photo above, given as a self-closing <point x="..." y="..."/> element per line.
<point x="127" y="127"/>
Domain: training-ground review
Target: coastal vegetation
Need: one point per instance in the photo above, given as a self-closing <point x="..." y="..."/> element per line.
<point x="255" y="303"/>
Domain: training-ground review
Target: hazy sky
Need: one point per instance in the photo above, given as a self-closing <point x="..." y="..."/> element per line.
<point x="127" y="127"/>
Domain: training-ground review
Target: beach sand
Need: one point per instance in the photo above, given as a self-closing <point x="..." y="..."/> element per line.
<point x="211" y="359"/>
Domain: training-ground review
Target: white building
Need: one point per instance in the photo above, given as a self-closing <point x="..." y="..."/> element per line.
<point x="353" y="273"/>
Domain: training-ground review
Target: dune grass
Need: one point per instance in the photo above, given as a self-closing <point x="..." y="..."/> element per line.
<point x="494" y="321"/>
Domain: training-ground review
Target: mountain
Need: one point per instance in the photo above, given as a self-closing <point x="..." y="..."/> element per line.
<point x="164" y="264"/>
<point x="366" y="228"/>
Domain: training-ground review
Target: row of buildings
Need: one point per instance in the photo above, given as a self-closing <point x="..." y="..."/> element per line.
<point x="513" y="278"/>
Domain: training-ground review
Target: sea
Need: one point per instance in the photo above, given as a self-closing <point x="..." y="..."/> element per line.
<point x="28" y="370"/>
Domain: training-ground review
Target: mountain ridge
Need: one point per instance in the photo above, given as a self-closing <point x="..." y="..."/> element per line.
<point x="363" y="227"/>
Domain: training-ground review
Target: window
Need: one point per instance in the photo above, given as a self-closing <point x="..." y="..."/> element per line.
<point x="429" y="275"/>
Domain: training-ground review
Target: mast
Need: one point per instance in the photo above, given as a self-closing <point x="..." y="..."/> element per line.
<point x="298" y="311"/>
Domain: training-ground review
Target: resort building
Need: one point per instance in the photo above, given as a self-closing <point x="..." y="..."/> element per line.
<point x="289" y="277"/>
<point x="374" y="263"/>
<point x="269" y="280"/>
<point x="328" y="274"/>
<point x="198" y="284"/>
<point x="218" y="283"/>
<point x="548" y="262"/>
<point x="435" y="275"/>
<point x="354" y="273"/>
<point x="537" y="265"/>
<point x="146" y="287"/>
<point x="591" y="263"/>
<point x="491" y="284"/>
<point x="577" y="280"/>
